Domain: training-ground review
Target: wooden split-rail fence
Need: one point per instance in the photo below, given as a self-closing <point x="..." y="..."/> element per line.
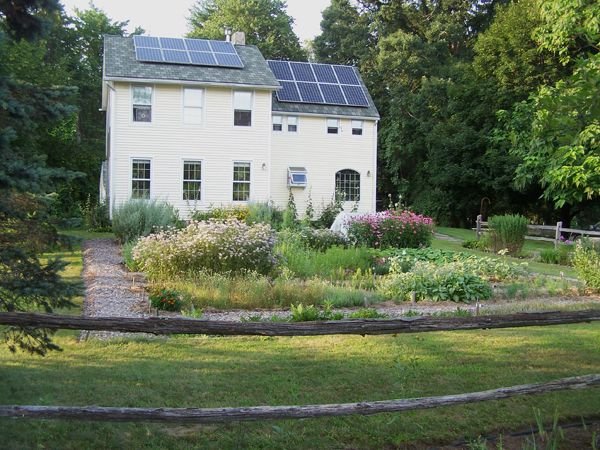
<point x="167" y="326"/>
<point x="535" y="231"/>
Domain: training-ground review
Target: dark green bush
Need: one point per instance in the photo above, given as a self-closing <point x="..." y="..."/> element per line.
<point x="586" y="260"/>
<point x="95" y="215"/>
<point x="507" y="232"/>
<point x="137" y="218"/>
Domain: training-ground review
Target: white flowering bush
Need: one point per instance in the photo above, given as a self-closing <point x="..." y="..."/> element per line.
<point x="213" y="245"/>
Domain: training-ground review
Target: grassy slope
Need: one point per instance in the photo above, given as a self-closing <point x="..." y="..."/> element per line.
<point x="245" y="371"/>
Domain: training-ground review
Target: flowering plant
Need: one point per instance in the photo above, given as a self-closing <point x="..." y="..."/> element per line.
<point x="166" y="299"/>
<point x="399" y="229"/>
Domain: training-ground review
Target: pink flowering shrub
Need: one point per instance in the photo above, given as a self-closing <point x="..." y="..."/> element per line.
<point x="397" y="229"/>
<point x="213" y="245"/>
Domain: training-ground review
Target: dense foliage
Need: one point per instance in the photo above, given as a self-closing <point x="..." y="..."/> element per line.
<point x="507" y="232"/>
<point x="586" y="260"/>
<point x="137" y="218"/>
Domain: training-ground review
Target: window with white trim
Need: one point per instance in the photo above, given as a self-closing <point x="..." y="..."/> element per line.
<point x="357" y="127"/>
<point x="241" y="181"/>
<point x="192" y="180"/>
<point x="242" y="108"/>
<point x="277" y="123"/>
<point x="140" y="178"/>
<point x="333" y="126"/>
<point x="192" y="105"/>
<point x="347" y="183"/>
<point x="142" y="103"/>
<point x="292" y="124"/>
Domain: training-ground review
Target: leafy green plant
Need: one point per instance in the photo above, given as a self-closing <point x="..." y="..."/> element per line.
<point x="127" y="253"/>
<point x="321" y="239"/>
<point x="330" y="211"/>
<point x="586" y="260"/>
<point x="290" y="215"/>
<point x="560" y="255"/>
<point x="166" y="299"/>
<point x="192" y="312"/>
<point x="240" y="213"/>
<point x="95" y="215"/>
<point x="507" y="232"/>
<point x="475" y="244"/>
<point x="426" y="281"/>
<point x="310" y="313"/>
<point x="137" y="218"/>
<point x="367" y="313"/>
<point x="264" y="212"/>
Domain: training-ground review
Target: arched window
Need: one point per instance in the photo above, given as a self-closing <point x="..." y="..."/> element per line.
<point x="347" y="183"/>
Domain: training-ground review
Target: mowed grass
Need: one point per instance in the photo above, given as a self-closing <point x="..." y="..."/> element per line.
<point x="247" y="371"/>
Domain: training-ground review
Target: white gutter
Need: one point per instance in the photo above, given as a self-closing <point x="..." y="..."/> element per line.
<point x="194" y="83"/>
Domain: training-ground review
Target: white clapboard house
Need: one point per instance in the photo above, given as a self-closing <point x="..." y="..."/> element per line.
<point x="201" y="123"/>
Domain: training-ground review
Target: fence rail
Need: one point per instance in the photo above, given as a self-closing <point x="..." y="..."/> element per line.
<point x="167" y="325"/>
<point x="216" y="415"/>
<point x="481" y="226"/>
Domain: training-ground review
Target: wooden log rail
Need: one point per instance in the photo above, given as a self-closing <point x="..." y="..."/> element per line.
<point x="216" y="415"/>
<point x="165" y="326"/>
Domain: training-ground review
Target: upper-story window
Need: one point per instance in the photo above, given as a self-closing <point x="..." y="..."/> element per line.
<point x="333" y="126"/>
<point x="192" y="105"/>
<point x="277" y="123"/>
<point x="242" y="108"/>
<point x="142" y="103"/>
<point x="357" y="127"/>
<point x="292" y="124"/>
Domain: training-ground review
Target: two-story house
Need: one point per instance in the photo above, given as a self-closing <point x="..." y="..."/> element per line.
<point x="200" y="123"/>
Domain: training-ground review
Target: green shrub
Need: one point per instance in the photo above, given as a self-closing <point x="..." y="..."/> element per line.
<point x="561" y="255"/>
<point x="95" y="215"/>
<point x="451" y="282"/>
<point x="264" y="212"/>
<point x="475" y="244"/>
<point x="391" y="229"/>
<point x="301" y="313"/>
<point x="240" y="213"/>
<point x="367" y="313"/>
<point x="330" y="211"/>
<point x="165" y="299"/>
<point x="586" y="260"/>
<point x="214" y="245"/>
<point x="137" y="218"/>
<point x="507" y="232"/>
<point x="321" y="239"/>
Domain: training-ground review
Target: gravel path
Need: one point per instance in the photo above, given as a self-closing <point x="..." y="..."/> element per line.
<point x="113" y="291"/>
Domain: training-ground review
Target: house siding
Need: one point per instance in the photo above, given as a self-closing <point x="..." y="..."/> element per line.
<point x="167" y="142"/>
<point x="323" y="155"/>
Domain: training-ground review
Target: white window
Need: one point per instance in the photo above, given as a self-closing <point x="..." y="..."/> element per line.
<point x="347" y="183"/>
<point x="140" y="178"/>
<point x="357" y="127"/>
<point x="297" y="177"/>
<point x="277" y="123"/>
<point x="241" y="181"/>
<point x="242" y="108"/>
<point x="192" y="180"/>
<point x="142" y="103"/>
<point x="192" y="105"/>
<point x="292" y="124"/>
<point x="333" y="126"/>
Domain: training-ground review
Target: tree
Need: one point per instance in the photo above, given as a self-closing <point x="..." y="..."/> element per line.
<point x="265" y="22"/>
<point x="26" y="110"/>
<point x="345" y="36"/>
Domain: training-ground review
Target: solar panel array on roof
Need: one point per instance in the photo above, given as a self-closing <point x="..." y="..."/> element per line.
<point x="201" y="52"/>
<point x="318" y="83"/>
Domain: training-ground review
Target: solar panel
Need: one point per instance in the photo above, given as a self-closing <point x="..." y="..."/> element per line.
<point x="148" y="54"/>
<point x="346" y="75"/>
<point x="281" y="70"/>
<point x="201" y="52"/>
<point x="355" y="95"/>
<point x="318" y="83"/>
<point x="146" y="41"/>
<point x="302" y="71"/>
<point x="176" y="56"/>
<point x="172" y="44"/>
<point x="324" y="73"/>
<point x="288" y="92"/>
<point x="222" y="47"/>
<point x="197" y="45"/>
<point x="332" y="93"/>
<point x="203" y="58"/>
<point x="309" y="92"/>
<point x="228" y="60"/>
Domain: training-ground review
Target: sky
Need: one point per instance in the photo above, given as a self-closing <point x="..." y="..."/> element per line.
<point x="168" y="18"/>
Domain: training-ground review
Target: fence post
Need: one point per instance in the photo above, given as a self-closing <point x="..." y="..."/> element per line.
<point x="478" y="231"/>
<point x="557" y="235"/>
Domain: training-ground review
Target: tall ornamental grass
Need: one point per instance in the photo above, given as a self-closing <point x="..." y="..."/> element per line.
<point x="391" y="229"/>
<point x="508" y="232"/>
<point x="586" y="260"/>
<point x="136" y="218"/>
<point x="214" y="246"/>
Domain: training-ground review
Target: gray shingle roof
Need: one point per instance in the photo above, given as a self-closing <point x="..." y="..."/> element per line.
<point x="120" y="62"/>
